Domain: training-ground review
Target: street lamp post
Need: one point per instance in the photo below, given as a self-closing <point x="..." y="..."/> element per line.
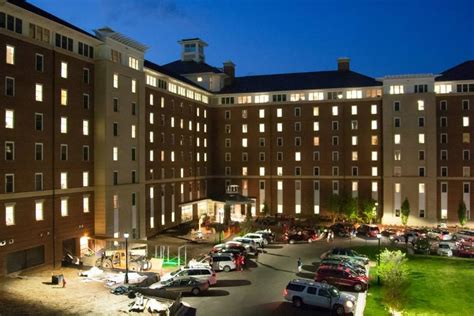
<point x="126" y="235"/>
<point x="379" y="236"/>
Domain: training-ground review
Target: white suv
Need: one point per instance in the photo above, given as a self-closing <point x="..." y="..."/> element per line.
<point x="258" y="239"/>
<point x="202" y="273"/>
<point x="319" y="294"/>
<point x="252" y="245"/>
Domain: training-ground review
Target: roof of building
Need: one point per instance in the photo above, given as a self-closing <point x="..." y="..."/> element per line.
<point x="463" y="71"/>
<point x="161" y="69"/>
<point x="34" y="9"/>
<point x="190" y="67"/>
<point x="300" y="81"/>
<point x="105" y="32"/>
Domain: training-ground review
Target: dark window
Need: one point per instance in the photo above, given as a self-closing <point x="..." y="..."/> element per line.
<point x="38" y="181"/>
<point x="9" y="86"/>
<point x="85" y="101"/>
<point x="85" y="153"/>
<point x="9" y="183"/>
<point x="39" y="62"/>
<point x="134" y="153"/>
<point x="262" y="185"/>
<point x="444" y="171"/>
<point x="465" y="105"/>
<point x="295" y="287"/>
<point x="38" y="151"/>
<point x="421" y="155"/>
<point x="297" y="141"/>
<point x="444" y="187"/>
<point x="443" y="121"/>
<point x="38" y="121"/>
<point x="316" y="171"/>
<point x="335" y="126"/>
<point x="10" y="23"/>
<point x="421" y="122"/>
<point x="421" y="88"/>
<point x="297" y="112"/>
<point x="18" y="26"/>
<point x="9" y="150"/>
<point x="444" y="155"/>
<point x="421" y="171"/>
<point x="227" y="115"/>
<point x="115" y="177"/>
<point x="324" y="293"/>
<point x="355" y="171"/>
<point x="115" y="129"/>
<point x="280" y="141"/>
<point x="64" y="151"/>
<point x="466" y="155"/>
<point x="316" y="155"/>
<point x="444" y="138"/>
<point x="443" y="105"/>
<point x="466" y="188"/>
<point x="85" y="75"/>
<point x="297" y="171"/>
<point x="2" y="20"/>
<point x="134" y="176"/>
<point x="134" y="199"/>
<point x="279" y="156"/>
<point x="297" y="127"/>
<point x="116" y="105"/>
<point x="335" y="140"/>
<point x="312" y="290"/>
<point x="134" y="108"/>
<point x="396" y="122"/>
<point x="397" y="213"/>
<point x="396" y="106"/>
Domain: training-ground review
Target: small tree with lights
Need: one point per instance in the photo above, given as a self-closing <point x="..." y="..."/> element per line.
<point x="405" y="212"/>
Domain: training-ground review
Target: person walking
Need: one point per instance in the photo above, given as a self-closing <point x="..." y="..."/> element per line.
<point x="328" y="235"/>
<point x="64" y="282"/>
<point x="300" y="265"/>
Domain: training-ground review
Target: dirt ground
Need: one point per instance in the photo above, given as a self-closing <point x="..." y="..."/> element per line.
<point x="30" y="292"/>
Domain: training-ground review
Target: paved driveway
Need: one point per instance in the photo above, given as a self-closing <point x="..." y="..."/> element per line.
<point x="259" y="290"/>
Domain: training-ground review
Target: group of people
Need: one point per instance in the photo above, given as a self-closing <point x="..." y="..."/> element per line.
<point x="329" y="235"/>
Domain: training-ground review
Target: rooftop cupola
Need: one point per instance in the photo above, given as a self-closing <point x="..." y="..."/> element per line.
<point x="193" y="49"/>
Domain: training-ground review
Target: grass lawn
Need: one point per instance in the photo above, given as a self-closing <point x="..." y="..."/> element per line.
<point x="439" y="286"/>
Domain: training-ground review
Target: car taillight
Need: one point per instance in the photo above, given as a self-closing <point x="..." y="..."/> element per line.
<point x="285" y="292"/>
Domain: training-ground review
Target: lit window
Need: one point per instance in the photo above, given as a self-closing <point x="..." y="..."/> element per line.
<point x="244" y="129"/>
<point x="152" y="118"/>
<point x="354" y="156"/>
<point x="244" y="142"/>
<point x="297" y="156"/>
<point x="316" y="96"/>
<point x="355" y="186"/>
<point x="374" y="156"/>
<point x="63" y="125"/>
<point x="63" y="97"/>
<point x="39" y="210"/>
<point x="297" y="97"/>
<point x="354" y="110"/>
<point x="279" y="171"/>
<point x="354" y="94"/>
<point x="39" y="92"/>
<point x="421" y="105"/>
<point x="151" y="137"/>
<point x="172" y="156"/>
<point x="9" y="214"/>
<point x="244" y="171"/>
<point x="315" y="110"/>
<point x="199" y="79"/>
<point x="421" y="188"/>
<point x="262" y="171"/>
<point x="316" y="141"/>
<point x="64" y="207"/>
<point x="373" y="124"/>
<point x="134" y="86"/>
<point x="279" y="127"/>
<point x="63" y="180"/>
<point x="151" y="97"/>
<point x="115" y="154"/>
<point x="396" y="138"/>
<point x="261" y="113"/>
<point x="85" y="204"/>
<point x="133" y="63"/>
<point x="465" y="121"/>
<point x="397" y="89"/>
<point x="315" y="126"/>
<point x="375" y="171"/>
<point x="262" y="128"/>
<point x="335" y="110"/>
<point x="116" y="79"/>
<point x="397" y="155"/>
<point x="151" y="155"/>
<point x="9" y="118"/>
<point x="63" y="69"/>
<point x="134" y="128"/>
<point x="397" y="187"/>
<point x="466" y="138"/>
<point x="85" y="179"/>
<point x="262" y="98"/>
<point x="85" y="127"/>
<point x="354" y="140"/>
<point x="10" y="54"/>
<point x="421" y="138"/>
<point x="279" y="112"/>
<point x="373" y="109"/>
<point x="374" y="140"/>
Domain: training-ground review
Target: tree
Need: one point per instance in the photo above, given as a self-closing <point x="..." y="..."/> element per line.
<point x="405" y="211"/>
<point x="462" y="213"/>
<point x="351" y="208"/>
<point x="368" y="210"/>
<point x="227" y="209"/>
<point x="334" y="206"/>
<point x="248" y="213"/>
<point x="393" y="272"/>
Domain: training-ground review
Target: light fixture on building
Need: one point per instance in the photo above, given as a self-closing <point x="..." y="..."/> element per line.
<point x="3" y="243"/>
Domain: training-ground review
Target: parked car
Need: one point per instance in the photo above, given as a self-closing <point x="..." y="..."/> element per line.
<point x="230" y="245"/>
<point x="344" y="253"/>
<point x="406" y="237"/>
<point x="301" y="236"/>
<point x="422" y="246"/>
<point x="368" y="230"/>
<point x="342" y="278"/>
<point x="234" y="251"/>
<point x="444" y="249"/>
<point x="466" y="249"/>
<point x="269" y="236"/>
<point x="464" y="234"/>
<point x="183" y="284"/>
<point x="391" y="232"/>
<point x="198" y="272"/>
<point x="258" y="239"/>
<point x="319" y="294"/>
<point x="439" y="234"/>
<point x="342" y="229"/>
<point x="347" y="263"/>
<point x="249" y="244"/>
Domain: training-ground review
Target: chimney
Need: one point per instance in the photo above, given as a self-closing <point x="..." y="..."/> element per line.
<point x="229" y="70"/>
<point x="343" y="64"/>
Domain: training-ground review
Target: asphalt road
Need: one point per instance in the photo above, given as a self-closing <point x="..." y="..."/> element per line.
<point x="259" y="289"/>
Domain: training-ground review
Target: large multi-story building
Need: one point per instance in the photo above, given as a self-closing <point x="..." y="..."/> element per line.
<point x="99" y="141"/>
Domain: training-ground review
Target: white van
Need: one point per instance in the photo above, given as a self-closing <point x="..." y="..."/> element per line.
<point x="196" y="272"/>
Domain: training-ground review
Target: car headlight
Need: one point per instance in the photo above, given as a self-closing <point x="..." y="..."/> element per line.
<point x="349" y="304"/>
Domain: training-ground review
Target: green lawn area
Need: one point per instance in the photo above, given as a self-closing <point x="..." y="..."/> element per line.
<point x="438" y="286"/>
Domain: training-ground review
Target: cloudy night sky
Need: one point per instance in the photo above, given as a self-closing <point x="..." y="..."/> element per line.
<point x="382" y="37"/>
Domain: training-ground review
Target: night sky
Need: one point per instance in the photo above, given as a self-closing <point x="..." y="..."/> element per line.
<point x="383" y="37"/>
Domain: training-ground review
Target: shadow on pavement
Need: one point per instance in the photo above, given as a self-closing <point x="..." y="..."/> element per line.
<point x="210" y="293"/>
<point x="273" y="246"/>
<point x="310" y="268"/>
<point x="275" y="254"/>
<point x="285" y="309"/>
<point x="305" y="275"/>
<point x="276" y="269"/>
<point x="229" y="283"/>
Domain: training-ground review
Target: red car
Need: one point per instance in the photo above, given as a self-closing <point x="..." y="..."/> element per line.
<point x="301" y="236"/>
<point x="368" y="230"/>
<point x="466" y="249"/>
<point x="341" y="277"/>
